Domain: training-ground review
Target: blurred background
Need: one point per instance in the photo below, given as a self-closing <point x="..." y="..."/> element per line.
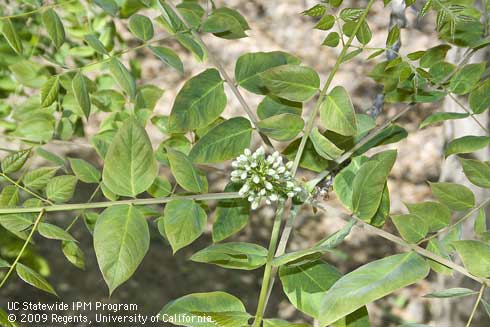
<point x="275" y="25"/>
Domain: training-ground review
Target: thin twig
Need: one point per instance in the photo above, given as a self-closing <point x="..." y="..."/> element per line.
<point x="414" y="247"/>
<point x="323" y="93"/>
<point x="217" y="63"/>
<point x="32" y="12"/>
<point x="459" y="221"/>
<point x="25" y="189"/>
<point x="21" y="252"/>
<point x="95" y="205"/>
<point x="477" y="302"/>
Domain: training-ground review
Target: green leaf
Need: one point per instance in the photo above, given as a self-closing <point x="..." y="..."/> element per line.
<point x="434" y="214"/>
<point x="130" y="165"/>
<point x="121" y="240"/>
<point x="73" y="254"/>
<point x="200" y="101"/>
<point x="4" y="263"/>
<point x="94" y="42"/>
<point x="467" y="144"/>
<point x="223" y="142"/>
<point x="250" y="66"/>
<point x="230" y="215"/>
<point x="169" y="57"/>
<point x="291" y="82"/>
<point x="141" y="27"/>
<point x="123" y="77"/>
<point x="369" y="184"/>
<point x="38" y="178"/>
<point x="17" y="223"/>
<point x="369" y="283"/>
<point x="442" y="116"/>
<point x="282" y="127"/>
<point x="323" y="146"/>
<point x="436" y="246"/>
<point x="84" y="171"/>
<point x="226" y="23"/>
<point x="234" y="255"/>
<point x="315" y="252"/>
<point x="54" y="26"/>
<point x="14" y="161"/>
<point x="343" y="182"/>
<point x="305" y="285"/>
<point x="33" y="278"/>
<point x="411" y="227"/>
<point x="475" y="256"/>
<point x="9" y="196"/>
<point x="184" y="222"/>
<point x="10" y="33"/>
<point x="452" y="292"/>
<point x="160" y="188"/>
<point x="364" y="34"/>
<point x="54" y="232"/>
<point x="281" y="323"/>
<point x="337" y="112"/>
<point x="198" y="305"/>
<point x="109" y="6"/>
<point x="466" y="79"/>
<point x="393" y="35"/>
<point x="477" y="172"/>
<point x="272" y="106"/>
<point x="185" y="173"/>
<point x="332" y="40"/>
<point x="61" y="188"/>
<point x="479" y="98"/>
<point x="49" y="91"/>
<point x="80" y="90"/>
<point x="325" y="23"/>
<point x="480" y="226"/>
<point x="455" y="196"/>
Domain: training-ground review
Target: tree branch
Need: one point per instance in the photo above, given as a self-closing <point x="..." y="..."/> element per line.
<point x="96" y="205"/>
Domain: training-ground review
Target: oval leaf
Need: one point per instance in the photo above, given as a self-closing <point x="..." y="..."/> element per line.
<point x="130" y="165"/>
<point x="371" y="282"/>
<point x="455" y="196"/>
<point x="185" y="173"/>
<point x="223" y="142"/>
<point x="282" y="127"/>
<point x="184" y="222"/>
<point x="337" y="112"/>
<point x="121" y="240"/>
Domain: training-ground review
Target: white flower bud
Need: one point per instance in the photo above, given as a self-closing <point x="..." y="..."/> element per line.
<point x="271" y="172"/>
<point x="291" y="194"/>
<point x="244" y="189"/>
<point x="289" y="184"/>
<point x="281" y="169"/>
<point x="247" y="152"/>
<point x="256" y="179"/>
<point x="243" y="175"/>
<point x="297" y="189"/>
<point x="255" y="204"/>
<point x="273" y="197"/>
<point x="268" y="201"/>
<point x="268" y="186"/>
<point x="263" y="191"/>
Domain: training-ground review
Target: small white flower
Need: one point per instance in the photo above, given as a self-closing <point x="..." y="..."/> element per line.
<point x="271" y="172"/>
<point x="247" y="152"/>
<point x="281" y="169"/>
<point x="273" y="197"/>
<point x="255" y="204"/>
<point x="289" y="184"/>
<point x="263" y="191"/>
<point x="256" y="179"/>
<point x="243" y="175"/>
<point x="244" y="189"/>
<point x="268" y="201"/>
<point x="268" y="186"/>
<point x="289" y="165"/>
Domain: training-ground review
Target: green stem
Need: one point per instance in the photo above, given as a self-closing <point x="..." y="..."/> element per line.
<point x="95" y="205"/>
<point x="81" y="213"/>
<point x="323" y="92"/>
<point x="32" y="12"/>
<point x="480" y="294"/>
<point x="25" y="189"/>
<point x="22" y="250"/>
<point x="414" y="247"/>
<point x="259" y="314"/>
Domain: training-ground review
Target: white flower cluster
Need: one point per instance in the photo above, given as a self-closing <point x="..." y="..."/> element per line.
<point x="264" y="178"/>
